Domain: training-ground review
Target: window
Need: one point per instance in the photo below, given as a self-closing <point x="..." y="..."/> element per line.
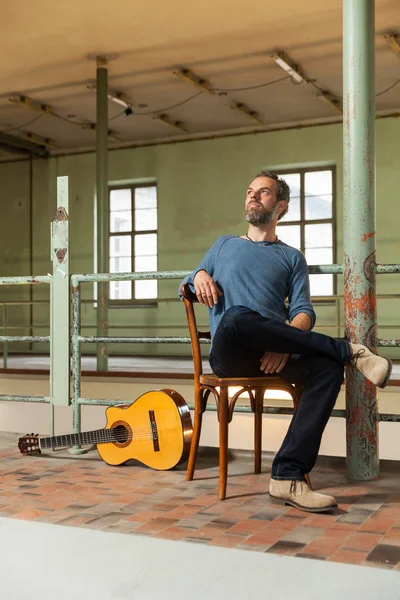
<point x="309" y="225"/>
<point x="133" y="240"/>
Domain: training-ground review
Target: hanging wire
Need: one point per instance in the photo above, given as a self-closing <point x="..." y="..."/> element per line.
<point x="252" y="87"/>
<point x="340" y="98"/>
<point x="388" y="89"/>
<point x="22" y="126"/>
<point x="117" y="116"/>
<point x="161" y="110"/>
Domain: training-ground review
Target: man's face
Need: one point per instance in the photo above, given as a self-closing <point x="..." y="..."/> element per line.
<point x="261" y="202"/>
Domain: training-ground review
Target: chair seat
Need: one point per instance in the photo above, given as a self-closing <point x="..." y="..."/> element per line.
<point x="252" y="382"/>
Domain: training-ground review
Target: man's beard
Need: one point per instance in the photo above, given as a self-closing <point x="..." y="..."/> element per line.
<point x="258" y="215"/>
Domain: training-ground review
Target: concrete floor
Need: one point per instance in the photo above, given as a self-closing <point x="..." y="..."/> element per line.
<point x="38" y="560"/>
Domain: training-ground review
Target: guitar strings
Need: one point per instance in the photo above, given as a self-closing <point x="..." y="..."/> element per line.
<point x="143" y="435"/>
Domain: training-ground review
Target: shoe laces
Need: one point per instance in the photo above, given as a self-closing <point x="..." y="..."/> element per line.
<point x="354" y="358"/>
<point x="293" y="486"/>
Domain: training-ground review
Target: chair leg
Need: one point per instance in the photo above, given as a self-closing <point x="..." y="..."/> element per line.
<point x="223" y="442"/>
<point x="258" y="413"/>
<point x="194" y="446"/>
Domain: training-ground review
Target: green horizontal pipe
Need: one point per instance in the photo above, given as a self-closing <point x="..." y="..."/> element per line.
<point x="24" y="280"/>
<point x="388" y="343"/>
<point x="25" y="399"/>
<point x="326" y="269"/>
<point x="384" y="269"/>
<point x="389" y="418"/>
<point x="24" y="338"/>
<point x="137" y="340"/>
<point x="91" y="277"/>
<point x="76" y="279"/>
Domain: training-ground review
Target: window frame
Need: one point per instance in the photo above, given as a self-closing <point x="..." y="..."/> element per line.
<point x="302" y="222"/>
<point x="132" y="302"/>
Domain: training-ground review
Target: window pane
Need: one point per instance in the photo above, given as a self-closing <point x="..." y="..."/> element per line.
<point x="290" y="234"/>
<point x="146" y="289"/>
<point x="121" y="220"/>
<point x="294" y="211"/>
<point x="146" y="197"/>
<point x="145" y="263"/>
<point x="318" y="236"/>
<point x="317" y="183"/>
<point x="293" y="181"/>
<point x="121" y="264"/>
<point x="120" y="290"/>
<point x="120" y="200"/>
<point x="320" y="256"/>
<point x="145" y="219"/>
<point x="318" y="207"/>
<point x="120" y="245"/>
<point x="146" y="244"/>
<point x="321" y="285"/>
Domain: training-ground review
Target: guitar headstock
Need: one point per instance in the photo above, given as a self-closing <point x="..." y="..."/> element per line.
<point x="29" y="445"/>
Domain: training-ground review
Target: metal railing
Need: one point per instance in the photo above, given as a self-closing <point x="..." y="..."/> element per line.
<point x="77" y="339"/>
<point x="317" y="301"/>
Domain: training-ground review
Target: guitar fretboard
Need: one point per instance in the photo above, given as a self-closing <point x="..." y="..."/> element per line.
<point x="97" y="436"/>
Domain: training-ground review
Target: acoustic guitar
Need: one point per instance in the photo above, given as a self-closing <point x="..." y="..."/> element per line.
<point x="155" y="430"/>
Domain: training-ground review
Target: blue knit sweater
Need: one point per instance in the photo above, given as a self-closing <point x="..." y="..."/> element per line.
<point x="258" y="275"/>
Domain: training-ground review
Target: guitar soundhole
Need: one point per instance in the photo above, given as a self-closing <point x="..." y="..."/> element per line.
<point x="121" y="435"/>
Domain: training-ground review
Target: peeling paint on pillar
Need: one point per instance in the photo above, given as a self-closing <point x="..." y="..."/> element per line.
<point x="76" y="358"/>
<point x="359" y="230"/>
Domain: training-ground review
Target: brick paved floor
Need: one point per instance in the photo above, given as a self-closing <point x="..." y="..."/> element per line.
<point x="85" y="492"/>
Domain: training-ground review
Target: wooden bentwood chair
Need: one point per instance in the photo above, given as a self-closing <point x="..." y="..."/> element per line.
<point x="206" y="384"/>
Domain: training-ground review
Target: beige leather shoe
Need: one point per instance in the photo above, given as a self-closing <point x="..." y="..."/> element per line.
<point x="299" y="495"/>
<point x="375" y="368"/>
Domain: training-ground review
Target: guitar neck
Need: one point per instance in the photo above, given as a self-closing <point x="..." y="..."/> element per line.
<point x="98" y="436"/>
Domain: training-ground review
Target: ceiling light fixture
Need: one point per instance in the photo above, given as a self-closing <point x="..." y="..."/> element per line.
<point x="336" y="103"/>
<point x="394" y="42"/>
<point x="247" y="111"/>
<point x="283" y="61"/>
<point x="198" y="82"/>
<point x="117" y="97"/>
<point x="168" y="121"/>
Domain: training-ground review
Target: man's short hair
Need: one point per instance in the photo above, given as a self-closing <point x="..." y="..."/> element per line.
<point x="282" y="189"/>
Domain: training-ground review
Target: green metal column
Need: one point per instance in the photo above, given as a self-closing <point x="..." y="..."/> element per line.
<point x="102" y="206"/>
<point x="60" y="300"/>
<point x="359" y="228"/>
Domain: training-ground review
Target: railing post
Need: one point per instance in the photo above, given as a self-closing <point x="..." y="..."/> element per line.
<point x="359" y="228"/>
<point x="102" y="206"/>
<point x="76" y="364"/>
<point x="60" y="300"/>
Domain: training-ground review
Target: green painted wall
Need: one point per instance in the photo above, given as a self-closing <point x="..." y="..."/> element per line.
<point x="200" y="194"/>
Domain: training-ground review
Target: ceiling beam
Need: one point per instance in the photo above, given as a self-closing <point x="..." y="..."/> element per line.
<point x="20" y="146"/>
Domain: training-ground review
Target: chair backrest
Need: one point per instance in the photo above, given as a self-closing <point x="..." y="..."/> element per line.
<point x="195" y="335"/>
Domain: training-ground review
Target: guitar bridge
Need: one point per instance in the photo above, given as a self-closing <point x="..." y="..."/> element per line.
<point x="154" y="430"/>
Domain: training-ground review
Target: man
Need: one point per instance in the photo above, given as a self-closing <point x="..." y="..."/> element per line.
<point x="245" y="281"/>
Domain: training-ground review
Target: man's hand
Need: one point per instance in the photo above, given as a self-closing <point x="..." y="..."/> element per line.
<point x="207" y="291"/>
<point x="273" y="362"/>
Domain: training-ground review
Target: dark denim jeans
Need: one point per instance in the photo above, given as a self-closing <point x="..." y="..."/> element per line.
<point x="316" y="364"/>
